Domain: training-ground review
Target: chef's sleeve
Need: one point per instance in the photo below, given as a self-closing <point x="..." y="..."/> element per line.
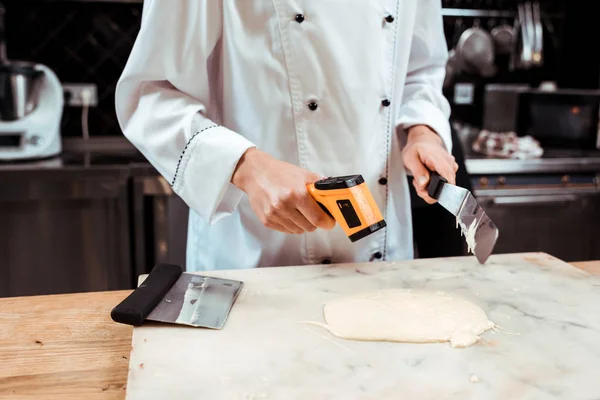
<point x="423" y="102"/>
<point x="162" y="100"/>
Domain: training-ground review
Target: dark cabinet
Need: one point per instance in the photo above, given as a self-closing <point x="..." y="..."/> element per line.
<point x="64" y="232"/>
<point x="159" y="221"/>
<point x="563" y="223"/>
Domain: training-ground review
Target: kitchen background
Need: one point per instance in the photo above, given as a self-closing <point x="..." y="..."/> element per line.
<point x="98" y="215"/>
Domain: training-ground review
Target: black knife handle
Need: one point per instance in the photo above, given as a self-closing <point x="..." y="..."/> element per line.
<point x="435" y="185"/>
<point x="134" y="309"/>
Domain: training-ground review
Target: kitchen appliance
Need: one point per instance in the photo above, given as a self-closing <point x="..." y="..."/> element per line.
<point x="560" y="118"/>
<point x="169" y="295"/>
<point x="541" y="205"/>
<point x="31" y="107"/>
<point x="31" y="99"/>
<point x="274" y="346"/>
<point x="348" y="200"/>
<point x="479" y="230"/>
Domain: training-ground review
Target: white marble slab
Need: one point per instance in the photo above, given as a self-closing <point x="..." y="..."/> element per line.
<point x="548" y="347"/>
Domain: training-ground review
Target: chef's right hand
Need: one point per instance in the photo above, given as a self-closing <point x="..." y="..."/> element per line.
<point x="278" y="194"/>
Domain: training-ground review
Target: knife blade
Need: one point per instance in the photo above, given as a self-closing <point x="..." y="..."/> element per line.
<point x="479" y="230"/>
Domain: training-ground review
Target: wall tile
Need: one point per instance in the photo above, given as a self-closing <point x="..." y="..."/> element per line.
<point x="81" y="42"/>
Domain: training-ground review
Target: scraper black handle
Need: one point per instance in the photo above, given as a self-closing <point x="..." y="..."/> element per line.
<point x="436" y="182"/>
<point x="140" y="303"/>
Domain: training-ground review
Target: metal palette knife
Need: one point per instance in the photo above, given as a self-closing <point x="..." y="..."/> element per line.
<point x="172" y="296"/>
<point x="480" y="232"/>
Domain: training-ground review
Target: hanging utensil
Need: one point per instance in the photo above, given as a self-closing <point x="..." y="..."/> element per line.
<point x="516" y="47"/>
<point x="526" y="36"/>
<point x="537" y="56"/>
<point x="3" y="56"/>
<point x="551" y="32"/>
<point x="453" y="65"/>
<point x="530" y="30"/>
<point x="452" y="69"/>
<point x="475" y="50"/>
<point x="458" y="30"/>
<point x="504" y="36"/>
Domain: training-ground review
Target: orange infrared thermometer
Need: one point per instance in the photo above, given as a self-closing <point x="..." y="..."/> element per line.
<point x="349" y="201"/>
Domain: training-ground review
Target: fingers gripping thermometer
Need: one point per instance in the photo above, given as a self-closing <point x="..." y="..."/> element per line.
<point x="348" y="200"/>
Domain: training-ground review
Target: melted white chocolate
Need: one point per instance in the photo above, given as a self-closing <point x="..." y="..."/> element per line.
<point x="469" y="234"/>
<point x="407" y="315"/>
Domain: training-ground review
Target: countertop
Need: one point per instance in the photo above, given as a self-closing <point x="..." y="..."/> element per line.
<point x="67" y="347"/>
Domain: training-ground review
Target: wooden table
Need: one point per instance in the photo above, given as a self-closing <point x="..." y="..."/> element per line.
<point x="67" y="347"/>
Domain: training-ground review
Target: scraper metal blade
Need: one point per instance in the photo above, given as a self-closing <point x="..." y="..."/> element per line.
<point x="169" y="295"/>
<point x="480" y="231"/>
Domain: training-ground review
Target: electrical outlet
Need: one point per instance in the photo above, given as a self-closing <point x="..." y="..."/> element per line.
<point x="73" y="94"/>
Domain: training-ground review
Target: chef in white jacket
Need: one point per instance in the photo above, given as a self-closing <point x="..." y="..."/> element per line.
<point x="240" y="103"/>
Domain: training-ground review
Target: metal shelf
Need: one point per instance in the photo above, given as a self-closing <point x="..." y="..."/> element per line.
<point x="472" y="12"/>
<point x="466" y="12"/>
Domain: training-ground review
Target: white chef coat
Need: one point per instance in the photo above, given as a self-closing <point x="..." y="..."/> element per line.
<point x="208" y="79"/>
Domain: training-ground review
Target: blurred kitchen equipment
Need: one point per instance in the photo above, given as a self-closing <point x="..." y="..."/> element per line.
<point x="531" y="207"/>
<point x="504" y="36"/>
<point x="526" y="48"/>
<point x="475" y="49"/>
<point x="452" y="68"/>
<point x="3" y="57"/>
<point x="453" y="65"/>
<point x="562" y="118"/>
<point x="31" y="107"/>
<point x="19" y="84"/>
<point x="538" y="28"/>
<point x="548" y="86"/>
<point x="532" y="34"/>
<point x="501" y="107"/>
<point x="513" y="61"/>
<point x="558" y="117"/>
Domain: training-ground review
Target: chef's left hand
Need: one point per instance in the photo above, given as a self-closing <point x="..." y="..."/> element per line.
<point x="424" y="152"/>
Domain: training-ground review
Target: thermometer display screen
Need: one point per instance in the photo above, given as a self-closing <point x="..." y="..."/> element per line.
<point x="10" y="141"/>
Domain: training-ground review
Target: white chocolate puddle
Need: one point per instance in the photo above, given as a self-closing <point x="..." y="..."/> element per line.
<point x="407" y="315"/>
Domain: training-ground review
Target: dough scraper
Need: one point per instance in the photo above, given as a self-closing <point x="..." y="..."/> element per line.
<point x="172" y="296"/>
<point x="479" y="230"/>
